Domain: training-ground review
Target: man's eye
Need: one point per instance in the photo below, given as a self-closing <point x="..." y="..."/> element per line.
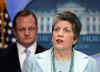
<point x="21" y="29"/>
<point x="31" y="29"/>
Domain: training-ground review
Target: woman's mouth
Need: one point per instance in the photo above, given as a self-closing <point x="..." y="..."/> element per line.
<point x="59" y="41"/>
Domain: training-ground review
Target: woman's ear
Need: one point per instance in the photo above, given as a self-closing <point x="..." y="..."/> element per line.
<point x="51" y="40"/>
<point x="75" y="41"/>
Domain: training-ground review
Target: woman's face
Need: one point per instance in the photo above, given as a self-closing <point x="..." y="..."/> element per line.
<point x="62" y="35"/>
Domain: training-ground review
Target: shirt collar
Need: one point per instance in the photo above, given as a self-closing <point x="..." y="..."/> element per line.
<point x="32" y="48"/>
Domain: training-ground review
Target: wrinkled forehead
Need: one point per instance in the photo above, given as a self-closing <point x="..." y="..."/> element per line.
<point x="25" y="18"/>
<point x="26" y="21"/>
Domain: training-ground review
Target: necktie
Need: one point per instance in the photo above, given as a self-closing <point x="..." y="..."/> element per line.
<point x="27" y="52"/>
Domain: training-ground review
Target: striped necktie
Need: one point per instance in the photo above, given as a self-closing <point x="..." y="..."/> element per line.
<point x="27" y="52"/>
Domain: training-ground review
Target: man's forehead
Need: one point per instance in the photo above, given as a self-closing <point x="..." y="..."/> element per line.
<point x="25" y="20"/>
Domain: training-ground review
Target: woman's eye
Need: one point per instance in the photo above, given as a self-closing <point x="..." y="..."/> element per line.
<point x="67" y="30"/>
<point x="56" y="29"/>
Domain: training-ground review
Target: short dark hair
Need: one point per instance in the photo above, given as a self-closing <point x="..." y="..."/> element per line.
<point x="23" y="13"/>
<point x="72" y="18"/>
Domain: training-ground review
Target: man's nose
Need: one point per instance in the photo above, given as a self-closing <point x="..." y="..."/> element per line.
<point x="27" y="32"/>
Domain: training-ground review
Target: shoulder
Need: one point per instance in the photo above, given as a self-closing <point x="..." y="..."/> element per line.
<point x="40" y="49"/>
<point x="12" y="46"/>
<point x="85" y="62"/>
<point x="93" y="65"/>
<point x="3" y="51"/>
<point x="84" y="56"/>
<point x="43" y="55"/>
<point x="12" y="50"/>
<point x="80" y="54"/>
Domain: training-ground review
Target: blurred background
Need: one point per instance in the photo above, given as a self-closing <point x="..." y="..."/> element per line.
<point x="88" y="12"/>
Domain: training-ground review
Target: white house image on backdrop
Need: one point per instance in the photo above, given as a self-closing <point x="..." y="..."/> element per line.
<point x="90" y="20"/>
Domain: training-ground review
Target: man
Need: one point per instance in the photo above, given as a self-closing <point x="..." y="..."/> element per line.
<point x="25" y="31"/>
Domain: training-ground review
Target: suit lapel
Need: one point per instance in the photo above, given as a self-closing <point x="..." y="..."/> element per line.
<point x="14" y="58"/>
<point x="40" y="49"/>
<point x="17" y="60"/>
<point x="37" y="49"/>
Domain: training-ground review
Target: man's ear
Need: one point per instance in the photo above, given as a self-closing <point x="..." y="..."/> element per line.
<point x="14" y="32"/>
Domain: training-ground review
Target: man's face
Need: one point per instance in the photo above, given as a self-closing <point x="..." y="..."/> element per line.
<point x="25" y="30"/>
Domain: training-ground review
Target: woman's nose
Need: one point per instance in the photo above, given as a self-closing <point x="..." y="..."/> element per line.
<point x="60" y="33"/>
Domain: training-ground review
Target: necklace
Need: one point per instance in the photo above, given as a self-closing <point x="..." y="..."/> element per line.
<point x="53" y="62"/>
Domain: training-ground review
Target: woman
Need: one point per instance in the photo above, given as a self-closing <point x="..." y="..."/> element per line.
<point x="63" y="57"/>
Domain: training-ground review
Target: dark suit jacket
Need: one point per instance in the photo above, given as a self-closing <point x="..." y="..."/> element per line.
<point x="13" y="64"/>
<point x="3" y="59"/>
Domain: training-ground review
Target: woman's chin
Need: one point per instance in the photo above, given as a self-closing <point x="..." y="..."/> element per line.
<point x="59" y="47"/>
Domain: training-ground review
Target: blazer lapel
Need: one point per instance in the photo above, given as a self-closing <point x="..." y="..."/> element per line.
<point x="44" y="61"/>
<point x="80" y="61"/>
